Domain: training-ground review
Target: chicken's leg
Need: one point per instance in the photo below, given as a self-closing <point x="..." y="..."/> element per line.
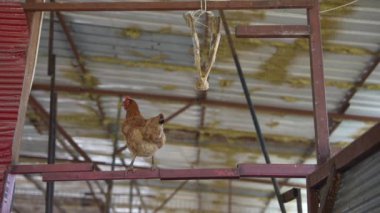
<point x="153" y="166"/>
<point x="130" y="167"/>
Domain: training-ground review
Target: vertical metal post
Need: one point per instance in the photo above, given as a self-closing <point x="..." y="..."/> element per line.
<point x="318" y="85"/>
<point x="130" y="195"/>
<point x="299" y="201"/>
<point x="312" y="198"/>
<point x="229" y="196"/>
<point x="53" y="117"/>
<point x="251" y="107"/>
<point x="115" y="142"/>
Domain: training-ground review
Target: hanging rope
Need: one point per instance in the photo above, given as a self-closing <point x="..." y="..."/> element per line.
<point x="204" y="65"/>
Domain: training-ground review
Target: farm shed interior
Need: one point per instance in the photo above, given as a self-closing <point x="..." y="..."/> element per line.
<point x="101" y="56"/>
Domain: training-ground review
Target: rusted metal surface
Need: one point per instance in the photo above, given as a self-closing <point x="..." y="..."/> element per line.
<point x="102" y="175"/>
<point x="294" y="193"/>
<point x="368" y="70"/>
<point x="362" y="147"/>
<point x="312" y="199"/>
<point x="290" y="195"/>
<point x="276" y="170"/>
<point x="360" y="187"/>
<point x="243" y="170"/>
<point x="318" y="85"/>
<point x="165" y="6"/>
<point x="209" y="102"/>
<point x="273" y="31"/>
<point x="67" y="167"/>
<point x="186" y="174"/>
<point x="329" y="191"/>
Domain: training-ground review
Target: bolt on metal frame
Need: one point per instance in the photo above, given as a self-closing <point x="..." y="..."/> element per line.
<point x="312" y="31"/>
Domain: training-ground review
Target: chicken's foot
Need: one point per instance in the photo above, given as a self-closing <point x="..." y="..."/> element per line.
<point x="130" y="167"/>
<point x="153" y="166"/>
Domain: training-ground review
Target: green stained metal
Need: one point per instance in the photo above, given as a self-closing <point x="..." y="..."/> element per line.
<point x="87" y="79"/>
<point x="272" y="124"/>
<point x="82" y="120"/>
<point x="169" y="87"/>
<point x="225" y="83"/>
<point x="275" y="69"/>
<point x="132" y="32"/>
<point x="290" y="99"/>
<point x="235" y="134"/>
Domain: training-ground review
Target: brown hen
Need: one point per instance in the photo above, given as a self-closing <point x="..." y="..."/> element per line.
<point x="143" y="136"/>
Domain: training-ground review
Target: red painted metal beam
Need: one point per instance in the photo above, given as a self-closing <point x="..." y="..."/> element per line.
<point x="263" y="108"/>
<point x="102" y="175"/>
<point x="166" y="6"/>
<point x="361" y="148"/>
<point x="321" y="125"/>
<point x="243" y="170"/>
<point x="49" y="168"/>
<point x="272" y="31"/>
<point x="186" y="174"/>
<point x="276" y="170"/>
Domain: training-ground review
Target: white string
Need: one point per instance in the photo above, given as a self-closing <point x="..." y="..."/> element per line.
<point x="338" y="7"/>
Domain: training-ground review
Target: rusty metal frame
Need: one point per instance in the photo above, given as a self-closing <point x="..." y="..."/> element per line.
<point x="251" y="170"/>
<point x="207" y="102"/>
<point x="48" y="168"/>
<point x="166" y="6"/>
<point x="362" y="147"/>
<point x="318" y="86"/>
<point x="243" y="170"/>
<point x="329" y="191"/>
<point x="294" y="193"/>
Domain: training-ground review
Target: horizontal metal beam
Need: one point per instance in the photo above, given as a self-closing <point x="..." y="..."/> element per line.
<point x="48" y="168"/>
<point x="290" y="195"/>
<point x="193" y="174"/>
<point x="276" y="170"/>
<point x="361" y="148"/>
<point x="262" y="108"/>
<point x="165" y="6"/>
<point x="249" y="180"/>
<point x="272" y="31"/>
<point x="244" y="170"/>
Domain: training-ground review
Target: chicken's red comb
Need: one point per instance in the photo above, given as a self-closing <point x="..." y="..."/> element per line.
<point x="127" y="98"/>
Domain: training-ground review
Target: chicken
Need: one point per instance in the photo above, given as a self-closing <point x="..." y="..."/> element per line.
<point x="143" y="136"/>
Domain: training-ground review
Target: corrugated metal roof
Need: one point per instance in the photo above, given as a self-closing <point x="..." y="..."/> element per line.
<point x="151" y="52"/>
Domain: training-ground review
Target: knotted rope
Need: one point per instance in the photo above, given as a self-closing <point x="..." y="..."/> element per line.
<point x="204" y="66"/>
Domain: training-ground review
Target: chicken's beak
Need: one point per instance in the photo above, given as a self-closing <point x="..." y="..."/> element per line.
<point x="162" y="119"/>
